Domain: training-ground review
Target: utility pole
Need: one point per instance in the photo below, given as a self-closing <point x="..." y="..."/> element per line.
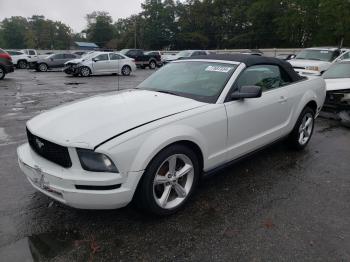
<point x="135" y="34"/>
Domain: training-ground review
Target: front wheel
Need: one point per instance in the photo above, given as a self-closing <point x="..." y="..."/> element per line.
<point x="303" y="129"/>
<point x="42" y="67"/>
<point x="85" y="71"/>
<point x="169" y="181"/>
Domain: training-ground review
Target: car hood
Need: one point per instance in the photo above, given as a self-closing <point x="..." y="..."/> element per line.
<point x="89" y="122"/>
<point x="303" y="63"/>
<point x="338" y="84"/>
<point x="74" y="61"/>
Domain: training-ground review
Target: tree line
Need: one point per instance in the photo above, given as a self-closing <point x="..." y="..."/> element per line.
<point x="205" y="24"/>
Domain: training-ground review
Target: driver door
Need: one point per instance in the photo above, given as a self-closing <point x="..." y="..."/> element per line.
<point x="101" y="64"/>
<point x="255" y="122"/>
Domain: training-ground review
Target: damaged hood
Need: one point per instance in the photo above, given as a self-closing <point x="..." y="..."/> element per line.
<point x="74" y="61"/>
<point x="338" y="84"/>
<point x="89" y="122"/>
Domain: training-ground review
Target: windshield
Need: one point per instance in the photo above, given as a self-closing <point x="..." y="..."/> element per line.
<point x="183" y="54"/>
<point x="319" y="55"/>
<point x="88" y="55"/>
<point x="341" y="70"/>
<point x="199" y="80"/>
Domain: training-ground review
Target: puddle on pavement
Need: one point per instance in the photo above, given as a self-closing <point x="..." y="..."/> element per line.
<point x="43" y="247"/>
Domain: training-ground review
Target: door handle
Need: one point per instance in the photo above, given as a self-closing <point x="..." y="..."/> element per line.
<point x="282" y="99"/>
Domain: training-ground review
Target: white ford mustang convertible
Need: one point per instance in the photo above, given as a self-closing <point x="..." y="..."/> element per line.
<point x="152" y="144"/>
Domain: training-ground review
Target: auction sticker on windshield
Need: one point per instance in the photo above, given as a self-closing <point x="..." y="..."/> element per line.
<point x="222" y="69"/>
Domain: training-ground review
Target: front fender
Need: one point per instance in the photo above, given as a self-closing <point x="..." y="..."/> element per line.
<point x="136" y="153"/>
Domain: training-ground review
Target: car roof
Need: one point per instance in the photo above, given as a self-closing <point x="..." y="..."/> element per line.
<point x="251" y="60"/>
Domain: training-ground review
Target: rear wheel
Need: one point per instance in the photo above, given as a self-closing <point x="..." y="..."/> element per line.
<point x="169" y="181"/>
<point x="85" y="71"/>
<point x="42" y="67"/>
<point x="126" y="70"/>
<point x="2" y="73"/>
<point x="22" y="64"/>
<point x="303" y="130"/>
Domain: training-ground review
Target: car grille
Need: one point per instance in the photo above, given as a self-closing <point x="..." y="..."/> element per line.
<point x="50" y="151"/>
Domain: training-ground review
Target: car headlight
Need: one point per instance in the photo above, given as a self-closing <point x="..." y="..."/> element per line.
<point x="313" y="68"/>
<point x="97" y="162"/>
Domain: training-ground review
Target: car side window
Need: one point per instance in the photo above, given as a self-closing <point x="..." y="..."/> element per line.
<point x="346" y="56"/>
<point x="31" y="52"/>
<point x="102" y="57"/>
<point x="113" y="56"/>
<point x="58" y="56"/>
<point x="69" y="56"/>
<point x="268" y="77"/>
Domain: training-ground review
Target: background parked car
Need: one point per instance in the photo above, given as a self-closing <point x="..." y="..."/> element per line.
<point x="316" y="60"/>
<point x="19" y="59"/>
<point x="6" y="65"/>
<point x="143" y="60"/>
<point x="337" y="79"/>
<point x="185" y="54"/>
<point x="156" y="53"/>
<point x="53" y="61"/>
<point x="100" y="63"/>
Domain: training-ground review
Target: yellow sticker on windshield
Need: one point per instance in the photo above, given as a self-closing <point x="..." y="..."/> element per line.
<point x="221" y="69"/>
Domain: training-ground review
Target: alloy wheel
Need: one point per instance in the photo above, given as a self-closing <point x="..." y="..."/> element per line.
<point x="85" y="71"/>
<point x="152" y="65"/>
<point x="43" y="67"/>
<point x="305" y="129"/>
<point x="173" y="181"/>
<point x="126" y="70"/>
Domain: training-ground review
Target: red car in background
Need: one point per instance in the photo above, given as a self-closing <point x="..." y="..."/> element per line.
<point x="6" y="65"/>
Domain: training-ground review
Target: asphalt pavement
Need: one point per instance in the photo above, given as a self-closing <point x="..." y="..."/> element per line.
<point x="277" y="205"/>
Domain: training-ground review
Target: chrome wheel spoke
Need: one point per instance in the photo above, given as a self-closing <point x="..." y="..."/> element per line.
<point x="308" y="122"/>
<point x="184" y="171"/>
<point x="160" y="180"/>
<point x="172" y="165"/>
<point x="180" y="191"/>
<point x="165" y="196"/>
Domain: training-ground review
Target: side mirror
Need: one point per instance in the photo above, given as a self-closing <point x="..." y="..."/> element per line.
<point x="247" y="92"/>
<point x="95" y="59"/>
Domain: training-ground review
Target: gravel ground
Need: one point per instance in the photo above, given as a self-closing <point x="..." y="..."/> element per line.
<point x="277" y="205"/>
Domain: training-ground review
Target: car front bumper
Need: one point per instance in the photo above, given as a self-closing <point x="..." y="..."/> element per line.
<point x="61" y="183"/>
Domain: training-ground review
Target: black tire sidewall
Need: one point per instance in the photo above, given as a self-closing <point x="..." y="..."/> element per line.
<point x="294" y="136"/>
<point x="85" y="67"/>
<point x="126" y="66"/>
<point x="39" y="67"/>
<point x="22" y="62"/>
<point x="2" y="75"/>
<point x="144" y="198"/>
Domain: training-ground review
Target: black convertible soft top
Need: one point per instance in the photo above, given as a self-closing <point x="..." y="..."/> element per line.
<point x="251" y="60"/>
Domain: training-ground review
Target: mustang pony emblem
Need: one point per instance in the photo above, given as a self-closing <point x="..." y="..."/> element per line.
<point x="39" y="143"/>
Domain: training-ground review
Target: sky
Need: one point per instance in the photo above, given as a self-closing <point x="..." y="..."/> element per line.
<point x="70" y="12"/>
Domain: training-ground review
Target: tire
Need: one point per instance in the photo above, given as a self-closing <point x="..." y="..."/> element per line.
<point x="303" y="129"/>
<point x="2" y="73"/>
<point x="42" y="67"/>
<point x="165" y="194"/>
<point x="85" y="71"/>
<point x="152" y="64"/>
<point x="126" y="70"/>
<point x="22" y="64"/>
